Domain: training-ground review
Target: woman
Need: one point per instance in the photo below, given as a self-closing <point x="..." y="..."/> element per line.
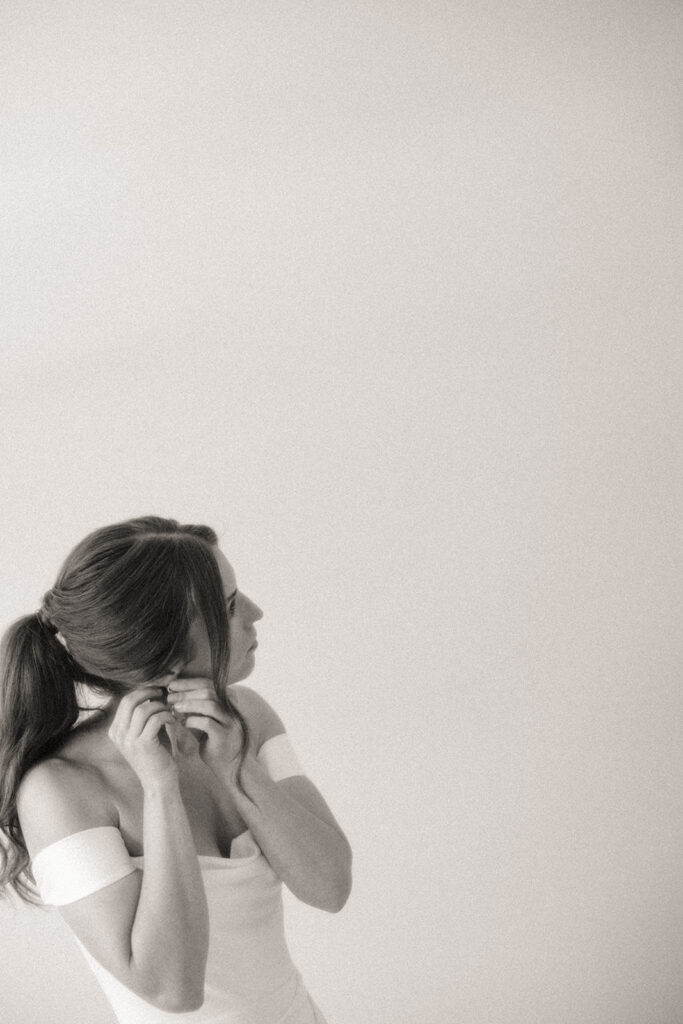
<point x="163" y="825"/>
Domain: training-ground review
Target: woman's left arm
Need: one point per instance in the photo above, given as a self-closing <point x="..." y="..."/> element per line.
<point x="289" y="819"/>
<point x="298" y="834"/>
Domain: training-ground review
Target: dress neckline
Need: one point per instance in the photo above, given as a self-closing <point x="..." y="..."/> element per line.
<point x="250" y="855"/>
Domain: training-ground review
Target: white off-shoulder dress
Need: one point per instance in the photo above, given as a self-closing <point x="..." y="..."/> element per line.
<point x="250" y="975"/>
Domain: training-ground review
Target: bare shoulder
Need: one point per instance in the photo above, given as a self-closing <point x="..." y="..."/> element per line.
<point x="56" y="797"/>
<point x="261" y="718"/>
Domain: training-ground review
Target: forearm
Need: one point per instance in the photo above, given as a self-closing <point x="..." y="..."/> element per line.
<point x="170" y="933"/>
<point x="311" y="856"/>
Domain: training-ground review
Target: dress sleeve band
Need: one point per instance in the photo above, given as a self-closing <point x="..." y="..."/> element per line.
<point x="80" y="864"/>
<point x="279" y="759"/>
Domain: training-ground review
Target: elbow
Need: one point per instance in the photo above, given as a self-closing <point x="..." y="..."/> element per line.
<point x="339" y="889"/>
<point x="176" y="986"/>
<point x="327" y="884"/>
<point x="180" y="995"/>
<point x="187" y="1003"/>
<point x="174" y="995"/>
<point x="333" y="904"/>
<point x="179" y="1002"/>
<point x="340" y="896"/>
<point x="331" y="900"/>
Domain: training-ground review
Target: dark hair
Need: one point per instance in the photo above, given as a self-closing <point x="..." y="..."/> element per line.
<point x="123" y="601"/>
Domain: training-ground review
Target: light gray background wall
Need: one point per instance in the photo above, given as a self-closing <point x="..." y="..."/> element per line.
<point x="389" y="294"/>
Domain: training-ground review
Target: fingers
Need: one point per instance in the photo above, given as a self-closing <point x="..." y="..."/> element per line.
<point x="144" y="712"/>
<point x="199" y="683"/>
<point x="200" y="722"/>
<point x="200" y="705"/>
<point x="130" y="701"/>
<point x="135" y="708"/>
<point x="180" y="691"/>
<point x="212" y="728"/>
<point x="155" y="721"/>
<point x="218" y="746"/>
<point x="177" y="698"/>
<point x="139" y="718"/>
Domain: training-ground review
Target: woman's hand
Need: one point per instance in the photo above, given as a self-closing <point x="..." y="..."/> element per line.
<point x="135" y="728"/>
<point x="196" y="705"/>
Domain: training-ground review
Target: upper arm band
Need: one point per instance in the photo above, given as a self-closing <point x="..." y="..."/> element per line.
<point x="80" y="864"/>
<point x="278" y="758"/>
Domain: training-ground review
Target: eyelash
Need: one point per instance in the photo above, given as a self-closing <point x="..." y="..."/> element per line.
<point x="231" y="606"/>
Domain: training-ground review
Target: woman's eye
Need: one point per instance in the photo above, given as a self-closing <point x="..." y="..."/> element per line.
<point x="231" y="606"/>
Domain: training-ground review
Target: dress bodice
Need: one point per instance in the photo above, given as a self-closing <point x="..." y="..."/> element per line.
<point x="250" y="976"/>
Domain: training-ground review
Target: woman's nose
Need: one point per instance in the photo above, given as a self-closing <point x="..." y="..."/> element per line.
<point x="253" y="612"/>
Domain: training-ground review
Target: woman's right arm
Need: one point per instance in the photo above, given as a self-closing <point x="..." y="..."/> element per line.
<point x="149" y="929"/>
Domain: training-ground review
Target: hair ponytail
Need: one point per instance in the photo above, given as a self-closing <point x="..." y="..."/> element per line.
<point x="38" y="707"/>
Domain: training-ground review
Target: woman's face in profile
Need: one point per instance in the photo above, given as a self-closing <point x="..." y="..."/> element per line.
<point x="242" y="614"/>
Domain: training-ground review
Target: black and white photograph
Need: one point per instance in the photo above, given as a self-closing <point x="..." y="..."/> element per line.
<point x="341" y="434"/>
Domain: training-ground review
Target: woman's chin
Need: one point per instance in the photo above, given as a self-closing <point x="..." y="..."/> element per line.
<point x="245" y="669"/>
